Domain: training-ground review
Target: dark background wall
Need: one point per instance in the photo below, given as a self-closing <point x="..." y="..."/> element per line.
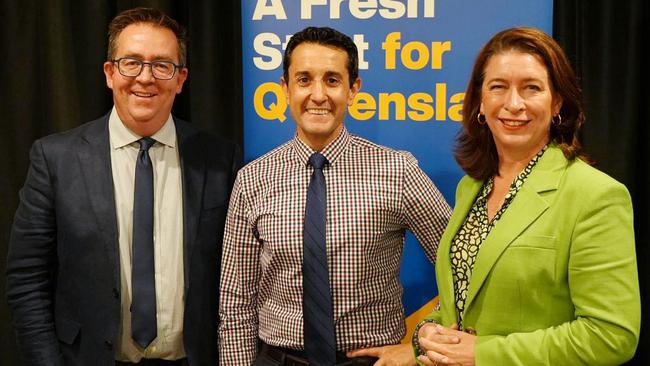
<point x="52" y="80"/>
<point x="604" y="39"/>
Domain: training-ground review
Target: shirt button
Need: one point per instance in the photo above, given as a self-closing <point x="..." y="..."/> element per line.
<point x="116" y="293"/>
<point x="109" y="345"/>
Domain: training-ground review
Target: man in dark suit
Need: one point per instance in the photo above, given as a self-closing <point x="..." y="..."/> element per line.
<point x="115" y="249"/>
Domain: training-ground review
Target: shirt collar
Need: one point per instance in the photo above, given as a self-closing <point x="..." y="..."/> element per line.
<point x="121" y="136"/>
<point x="332" y="151"/>
<point x="517" y="182"/>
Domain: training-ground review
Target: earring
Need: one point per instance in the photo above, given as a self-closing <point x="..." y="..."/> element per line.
<point x="556" y="120"/>
<point x="480" y="117"/>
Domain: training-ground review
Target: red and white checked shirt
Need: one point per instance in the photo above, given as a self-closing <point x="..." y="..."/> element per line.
<point x="374" y="194"/>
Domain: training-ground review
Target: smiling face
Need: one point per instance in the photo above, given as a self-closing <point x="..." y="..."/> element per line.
<point x="143" y="102"/>
<point x="318" y="92"/>
<point x="518" y="102"/>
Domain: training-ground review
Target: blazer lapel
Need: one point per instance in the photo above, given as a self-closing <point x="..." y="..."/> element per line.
<point x="468" y="189"/>
<point x="95" y="161"/>
<point x="193" y="172"/>
<point x="526" y="207"/>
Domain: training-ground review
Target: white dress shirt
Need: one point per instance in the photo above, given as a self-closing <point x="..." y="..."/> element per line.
<point x="168" y="237"/>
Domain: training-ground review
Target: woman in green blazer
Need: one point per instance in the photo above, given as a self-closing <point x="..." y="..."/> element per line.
<point x="537" y="265"/>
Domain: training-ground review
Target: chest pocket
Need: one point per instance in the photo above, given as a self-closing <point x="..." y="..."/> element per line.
<point x="534" y="241"/>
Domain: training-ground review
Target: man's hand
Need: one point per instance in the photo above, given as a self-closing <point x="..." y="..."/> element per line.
<point x="394" y="355"/>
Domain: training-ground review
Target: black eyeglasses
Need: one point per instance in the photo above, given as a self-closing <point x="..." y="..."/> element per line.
<point x="132" y="67"/>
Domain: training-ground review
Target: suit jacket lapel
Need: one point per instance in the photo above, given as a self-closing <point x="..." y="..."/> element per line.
<point x="193" y="172"/>
<point x="95" y="161"/>
<point x="468" y="189"/>
<point x="526" y="207"/>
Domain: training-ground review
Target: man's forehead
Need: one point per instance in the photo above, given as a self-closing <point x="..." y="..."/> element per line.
<point x="136" y="39"/>
<point x="312" y="46"/>
<point x="304" y="58"/>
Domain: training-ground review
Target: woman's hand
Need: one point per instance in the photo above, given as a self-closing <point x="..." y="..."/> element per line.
<point x="446" y="346"/>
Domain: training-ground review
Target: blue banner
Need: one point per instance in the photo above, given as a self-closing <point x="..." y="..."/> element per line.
<point x="415" y="57"/>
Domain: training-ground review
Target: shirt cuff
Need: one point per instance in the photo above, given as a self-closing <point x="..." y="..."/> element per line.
<point x="414" y="339"/>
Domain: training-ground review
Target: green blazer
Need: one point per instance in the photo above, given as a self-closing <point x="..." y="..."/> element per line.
<point x="555" y="282"/>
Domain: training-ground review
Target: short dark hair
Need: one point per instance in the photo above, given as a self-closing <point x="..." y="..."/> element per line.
<point x="475" y="150"/>
<point x="328" y="37"/>
<point x="151" y="16"/>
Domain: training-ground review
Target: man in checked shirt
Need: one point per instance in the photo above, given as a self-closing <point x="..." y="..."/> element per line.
<point x="373" y="195"/>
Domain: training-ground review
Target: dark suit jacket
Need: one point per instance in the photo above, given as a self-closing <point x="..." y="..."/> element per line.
<point x="63" y="275"/>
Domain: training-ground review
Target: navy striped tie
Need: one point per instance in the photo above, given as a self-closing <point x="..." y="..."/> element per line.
<point x="143" y="304"/>
<point x="320" y="338"/>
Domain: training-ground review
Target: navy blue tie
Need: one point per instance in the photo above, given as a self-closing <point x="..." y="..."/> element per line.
<point x="143" y="303"/>
<point x="320" y="338"/>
